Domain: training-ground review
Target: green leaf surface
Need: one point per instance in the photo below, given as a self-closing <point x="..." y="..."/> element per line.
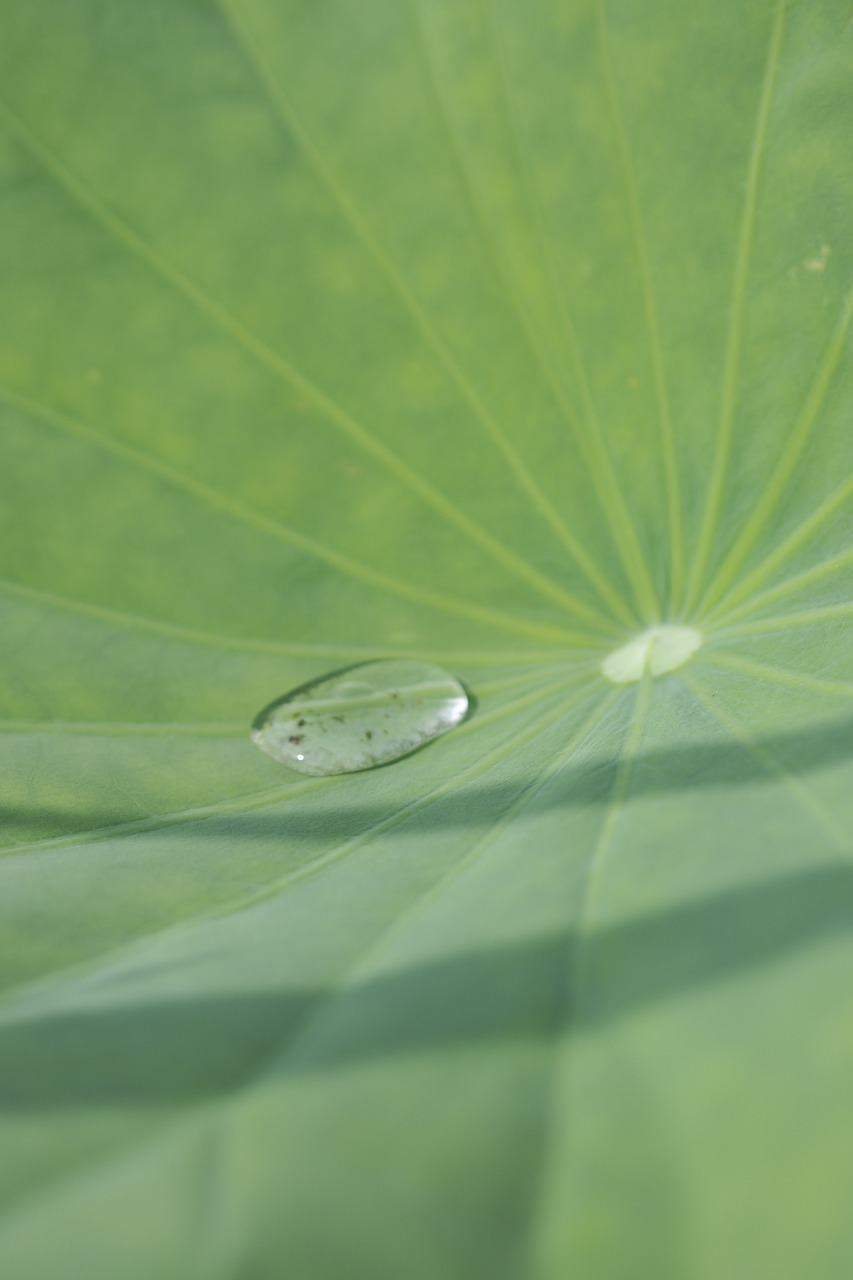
<point x="489" y="334"/>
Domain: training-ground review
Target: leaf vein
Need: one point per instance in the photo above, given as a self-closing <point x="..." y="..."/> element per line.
<point x="278" y="364"/>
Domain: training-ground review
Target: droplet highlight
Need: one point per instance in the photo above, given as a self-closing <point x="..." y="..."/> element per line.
<point x="655" y="651"/>
<point x="360" y="718"/>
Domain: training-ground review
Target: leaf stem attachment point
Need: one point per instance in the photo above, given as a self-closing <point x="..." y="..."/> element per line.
<point x="654" y="652"/>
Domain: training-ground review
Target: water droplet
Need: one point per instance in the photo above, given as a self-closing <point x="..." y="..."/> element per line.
<point x="360" y="718"/>
<point x="656" y="651"/>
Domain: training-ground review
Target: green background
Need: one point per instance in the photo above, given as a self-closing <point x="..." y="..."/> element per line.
<point x="487" y="333"/>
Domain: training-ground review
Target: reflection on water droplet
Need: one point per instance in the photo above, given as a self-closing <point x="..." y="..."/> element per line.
<point x="360" y="718"/>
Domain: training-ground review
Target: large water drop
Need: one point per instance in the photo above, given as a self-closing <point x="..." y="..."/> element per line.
<point x="360" y="718"/>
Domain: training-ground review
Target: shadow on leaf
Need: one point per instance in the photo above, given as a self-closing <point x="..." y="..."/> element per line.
<point x="151" y="1054"/>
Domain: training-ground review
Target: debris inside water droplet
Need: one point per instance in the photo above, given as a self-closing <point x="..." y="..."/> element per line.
<point x="655" y="651"/>
<point x="360" y="718"/>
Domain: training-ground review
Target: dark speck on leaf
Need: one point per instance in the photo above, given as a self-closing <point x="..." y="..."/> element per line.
<point x="295" y="739"/>
<point x="338" y="718"/>
<point x="369" y="736"/>
<point x="300" y="723"/>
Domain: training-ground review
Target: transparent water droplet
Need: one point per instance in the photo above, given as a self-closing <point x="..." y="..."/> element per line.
<point x="359" y="718"/>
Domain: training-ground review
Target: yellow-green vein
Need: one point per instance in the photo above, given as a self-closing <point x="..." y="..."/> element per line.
<point x="734" y="342"/>
<point x="672" y="477"/>
<point x="125" y="729"/>
<point x="778" y="675"/>
<point x="316" y="865"/>
<point x="284" y="533"/>
<point x="790" y="586"/>
<point x="240" y="27"/>
<point x="590" y="441"/>
<point x="784" y="551"/>
<point x="278" y="364"/>
<point x="204" y="1112"/>
<point x="241" y="644"/>
<point x="449" y="877"/>
<point x="551" y="1208"/>
<point x="505" y="274"/>
<point x="788" y="460"/>
<point x="773" y="766"/>
<point x="779" y="623"/>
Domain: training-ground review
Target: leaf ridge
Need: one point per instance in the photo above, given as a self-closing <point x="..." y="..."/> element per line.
<point x="771" y="763"/>
<point x="575" y="979"/>
<point x="782" y="621"/>
<point x="284" y="533"/>
<point x="789" y="586"/>
<point x="599" y="463"/>
<point x="189" y="635"/>
<point x="238" y="23"/>
<point x="785" y="550"/>
<point x="780" y="675"/>
<point x="445" y="880"/>
<point x="672" y="478"/>
<point x="207" y="1110"/>
<point x="795" y="446"/>
<point x="505" y="274"/>
<point x="478" y="769"/>
<point x="340" y="417"/>
<point x="731" y="368"/>
<point x="156" y="822"/>
<point x="116" y="729"/>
